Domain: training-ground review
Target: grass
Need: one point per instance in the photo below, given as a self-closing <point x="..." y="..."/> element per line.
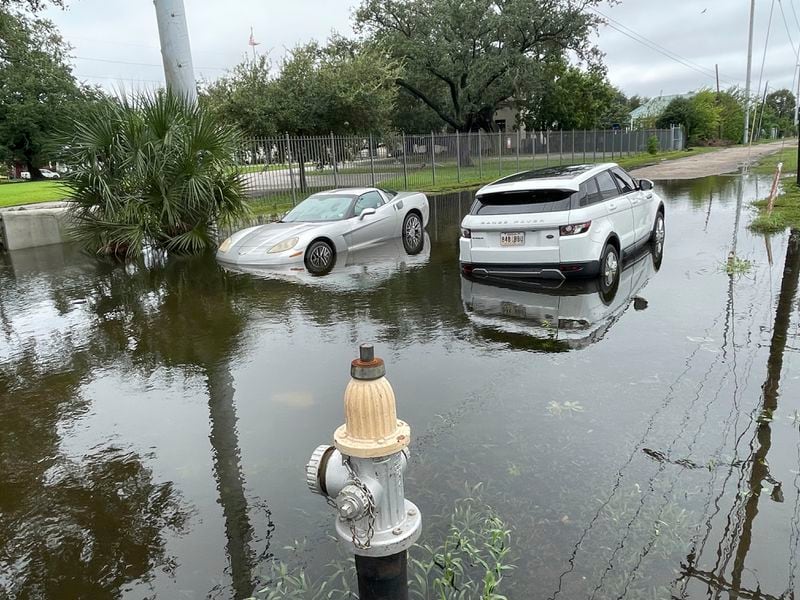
<point x="786" y="210"/>
<point x="30" y="192"/>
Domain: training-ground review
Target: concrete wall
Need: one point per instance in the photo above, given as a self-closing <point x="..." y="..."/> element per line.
<point x="32" y="226"/>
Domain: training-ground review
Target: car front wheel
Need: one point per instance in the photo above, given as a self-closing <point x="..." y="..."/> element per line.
<point x="659" y="232"/>
<point x="413" y="239"/>
<point x="320" y="257"/>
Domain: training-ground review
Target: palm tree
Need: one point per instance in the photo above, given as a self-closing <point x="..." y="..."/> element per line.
<point x="152" y="171"/>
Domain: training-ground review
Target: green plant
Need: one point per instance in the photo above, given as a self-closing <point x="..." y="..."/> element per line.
<point x="652" y="145"/>
<point x="737" y="266"/>
<point x="152" y="171"/>
<point x="470" y="563"/>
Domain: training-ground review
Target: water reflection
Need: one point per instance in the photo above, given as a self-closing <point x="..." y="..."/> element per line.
<point x="556" y="316"/>
<point x="354" y="270"/>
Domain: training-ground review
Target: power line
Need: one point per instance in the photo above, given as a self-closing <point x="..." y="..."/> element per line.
<point x="85" y="76"/>
<point x="140" y="64"/>
<point x="627" y="31"/>
<point x="786" y="24"/>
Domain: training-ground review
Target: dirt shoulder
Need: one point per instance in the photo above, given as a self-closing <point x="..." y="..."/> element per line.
<point x="722" y="161"/>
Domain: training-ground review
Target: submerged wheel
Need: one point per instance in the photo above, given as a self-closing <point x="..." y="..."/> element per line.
<point x="413" y="239"/>
<point x="659" y="232"/>
<point x="320" y="257"/>
<point x="609" y="273"/>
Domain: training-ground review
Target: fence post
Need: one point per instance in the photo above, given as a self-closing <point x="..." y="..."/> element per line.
<point x="371" y="161"/>
<point x="572" y="160"/>
<point x="500" y="153"/>
<point x="480" y="156"/>
<point x="533" y="150"/>
<point x="433" y="158"/>
<point x="291" y="173"/>
<point x="405" y="163"/>
<point x="458" y="157"/>
<point x="584" y="146"/>
<point x="519" y="139"/>
<point x="547" y="147"/>
<point x="333" y="160"/>
<point x="560" y="146"/>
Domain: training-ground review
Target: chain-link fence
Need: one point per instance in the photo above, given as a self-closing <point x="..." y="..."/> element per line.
<point x="284" y="170"/>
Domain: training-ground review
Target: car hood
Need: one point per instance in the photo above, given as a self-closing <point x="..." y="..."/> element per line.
<point x="264" y="237"/>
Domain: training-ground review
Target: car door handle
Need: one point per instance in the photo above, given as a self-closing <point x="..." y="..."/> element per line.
<point x="612" y="207"/>
<point x="648" y="196"/>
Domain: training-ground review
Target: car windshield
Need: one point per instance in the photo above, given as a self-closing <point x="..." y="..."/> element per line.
<point x="522" y="202"/>
<point x="320" y="207"/>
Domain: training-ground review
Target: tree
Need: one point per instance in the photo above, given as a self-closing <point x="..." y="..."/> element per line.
<point x="572" y="98"/>
<point x="245" y="97"/>
<point x="700" y="115"/>
<point x="343" y="87"/>
<point x="152" y="171"/>
<point x="464" y="58"/>
<point x="32" y="5"/>
<point x="38" y="93"/>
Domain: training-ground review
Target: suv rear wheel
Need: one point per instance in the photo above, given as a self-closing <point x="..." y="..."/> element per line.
<point x="609" y="271"/>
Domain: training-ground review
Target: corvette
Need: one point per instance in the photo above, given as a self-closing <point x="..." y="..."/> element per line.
<point x="328" y="224"/>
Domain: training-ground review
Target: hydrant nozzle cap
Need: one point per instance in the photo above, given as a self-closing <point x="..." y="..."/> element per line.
<point x="366" y="366"/>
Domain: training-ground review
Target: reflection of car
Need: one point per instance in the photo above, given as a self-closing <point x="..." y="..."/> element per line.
<point x="48" y="174"/>
<point x="354" y="270"/>
<point x="562" y="314"/>
<point x="327" y="224"/>
<point x="560" y="221"/>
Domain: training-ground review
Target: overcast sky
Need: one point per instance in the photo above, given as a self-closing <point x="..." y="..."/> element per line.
<point x="108" y="35"/>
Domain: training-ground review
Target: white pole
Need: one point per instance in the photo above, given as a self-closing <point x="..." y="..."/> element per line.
<point x="176" y="52"/>
<point x="797" y="96"/>
<point x="749" y="69"/>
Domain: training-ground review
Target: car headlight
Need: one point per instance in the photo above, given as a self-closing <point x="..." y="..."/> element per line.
<point x="226" y="245"/>
<point x="283" y="246"/>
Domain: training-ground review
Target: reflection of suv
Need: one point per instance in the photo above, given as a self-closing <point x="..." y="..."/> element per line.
<point x="560" y="221"/>
<point x="560" y="315"/>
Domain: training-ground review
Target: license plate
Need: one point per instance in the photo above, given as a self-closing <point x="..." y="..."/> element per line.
<point x="516" y="238"/>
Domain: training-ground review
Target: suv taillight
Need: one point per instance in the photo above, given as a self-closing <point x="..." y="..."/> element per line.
<point x="466" y="233"/>
<point x="575" y="228"/>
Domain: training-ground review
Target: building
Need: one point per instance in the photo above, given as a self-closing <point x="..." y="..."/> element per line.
<point x="648" y="112"/>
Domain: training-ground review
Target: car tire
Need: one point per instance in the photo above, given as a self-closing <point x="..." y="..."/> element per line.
<point x="412" y="233"/>
<point x="610" y="269"/>
<point x="659" y="232"/>
<point x="320" y="257"/>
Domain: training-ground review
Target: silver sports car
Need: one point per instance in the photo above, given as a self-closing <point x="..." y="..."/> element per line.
<point x="329" y="223"/>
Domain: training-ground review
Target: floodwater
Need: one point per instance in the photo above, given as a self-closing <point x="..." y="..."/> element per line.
<point x="155" y="419"/>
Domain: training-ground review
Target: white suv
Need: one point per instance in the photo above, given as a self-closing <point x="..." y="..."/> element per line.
<point x="577" y="220"/>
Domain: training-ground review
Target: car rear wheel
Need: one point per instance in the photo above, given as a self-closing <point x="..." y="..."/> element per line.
<point x="609" y="272"/>
<point x="413" y="239"/>
<point x="320" y="257"/>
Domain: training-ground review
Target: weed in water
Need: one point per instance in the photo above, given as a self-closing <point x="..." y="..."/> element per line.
<point x="556" y="409"/>
<point x="737" y="266"/>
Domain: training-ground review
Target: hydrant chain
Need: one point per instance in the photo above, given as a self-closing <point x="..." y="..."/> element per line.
<point x="370" y="509"/>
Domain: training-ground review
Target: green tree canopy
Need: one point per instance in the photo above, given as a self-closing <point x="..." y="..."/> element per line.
<point x="700" y="115"/>
<point x="38" y="93"/>
<point x="342" y="87"/>
<point x="464" y="58"/>
<point x="573" y="98"/>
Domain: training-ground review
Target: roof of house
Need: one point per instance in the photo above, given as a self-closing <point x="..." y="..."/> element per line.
<point x="655" y="106"/>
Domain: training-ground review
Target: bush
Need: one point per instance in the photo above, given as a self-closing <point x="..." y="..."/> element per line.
<point x="653" y="145"/>
<point x="153" y="171"/>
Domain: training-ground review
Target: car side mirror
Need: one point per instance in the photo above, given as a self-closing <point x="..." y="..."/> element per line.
<point x="645" y="184"/>
<point x="365" y="212"/>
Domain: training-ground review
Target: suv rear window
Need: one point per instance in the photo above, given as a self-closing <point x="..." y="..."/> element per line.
<point x="522" y="202"/>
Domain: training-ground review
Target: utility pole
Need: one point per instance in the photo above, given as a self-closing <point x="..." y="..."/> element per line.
<point x="716" y="70"/>
<point x="746" y="137"/>
<point x="176" y="52"/>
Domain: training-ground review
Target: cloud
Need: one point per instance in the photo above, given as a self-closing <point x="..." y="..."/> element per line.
<point x="704" y="32"/>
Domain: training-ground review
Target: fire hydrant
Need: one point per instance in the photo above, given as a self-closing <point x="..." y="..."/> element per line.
<point x="361" y="476"/>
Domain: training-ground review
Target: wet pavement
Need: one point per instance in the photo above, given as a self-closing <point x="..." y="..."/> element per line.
<point x="155" y="419"/>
